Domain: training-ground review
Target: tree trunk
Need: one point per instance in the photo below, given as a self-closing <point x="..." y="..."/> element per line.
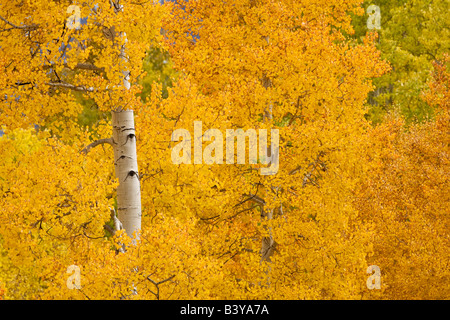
<point x="125" y="156"/>
<point x="268" y="243"/>
<point x="125" y="162"/>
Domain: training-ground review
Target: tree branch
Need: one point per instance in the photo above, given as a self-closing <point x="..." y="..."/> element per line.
<point x="81" y="65"/>
<point x="96" y="143"/>
<point x="70" y="86"/>
<point x="109" y="229"/>
<point x="88" y="66"/>
<point x="117" y="226"/>
<point x="255" y="198"/>
<point x="157" y="285"/>
<point x="31" y="27"/>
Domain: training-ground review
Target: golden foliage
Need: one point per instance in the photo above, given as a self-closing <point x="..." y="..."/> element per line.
<point x="346" y="195"/>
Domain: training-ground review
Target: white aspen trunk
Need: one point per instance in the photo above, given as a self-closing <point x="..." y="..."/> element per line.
<point x="125" y="162"/>
<point x="125" y="157"/>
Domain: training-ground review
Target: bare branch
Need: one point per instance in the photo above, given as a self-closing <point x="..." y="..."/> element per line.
<point x="109" y="229"/>
<point x="81" y="65"/>
<point x="96" y="143"/>
<point x="295" y="170"/>
<point x="8" y="29"/>
<point x="165" y="280"/>
<point x="115" y="5"/>
<point x="70" y="86"/>
<point x="31" y="27"/>
<point x="157" y="285"/>
<point x="255" y="198"/>
<point x="88" y="66"/>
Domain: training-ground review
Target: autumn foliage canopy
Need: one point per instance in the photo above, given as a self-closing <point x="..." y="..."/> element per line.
<point x="347" y="194"/>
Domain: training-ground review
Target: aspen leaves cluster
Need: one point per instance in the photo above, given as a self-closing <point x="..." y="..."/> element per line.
<point x="346" y="195"/>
